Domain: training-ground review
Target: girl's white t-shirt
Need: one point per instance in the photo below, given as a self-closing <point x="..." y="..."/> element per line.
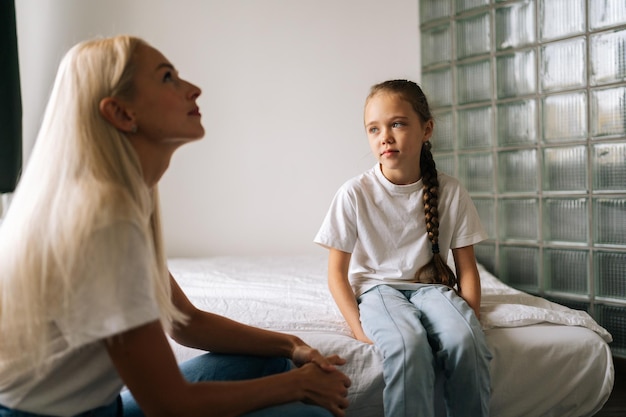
<point x="383" y="226"/>
<point x="114" y="293"/>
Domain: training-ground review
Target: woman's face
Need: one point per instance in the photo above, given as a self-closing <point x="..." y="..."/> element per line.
<point x="163" y="105"/>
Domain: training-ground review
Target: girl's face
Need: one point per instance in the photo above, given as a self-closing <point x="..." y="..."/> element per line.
<point x="163" y="105"/>
<point x="396" y="135"/>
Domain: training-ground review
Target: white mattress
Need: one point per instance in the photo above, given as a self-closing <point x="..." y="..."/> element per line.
<point x="548" y="360"/>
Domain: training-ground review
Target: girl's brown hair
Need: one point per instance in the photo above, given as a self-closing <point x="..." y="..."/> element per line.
<point x="436" y="271"/>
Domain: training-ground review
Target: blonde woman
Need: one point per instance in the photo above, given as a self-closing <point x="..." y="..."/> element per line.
<point x="86" y="297"/>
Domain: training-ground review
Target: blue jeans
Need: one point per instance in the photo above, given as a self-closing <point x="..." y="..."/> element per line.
<point x="209" y="367"/>
<point x="217" y="367"/>
<point x="417" y="331"/>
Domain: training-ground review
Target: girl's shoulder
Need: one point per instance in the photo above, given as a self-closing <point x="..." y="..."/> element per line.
<point x="364" y="181"/>
<point x="450" y="187"/>
<point x="446" y="180"/>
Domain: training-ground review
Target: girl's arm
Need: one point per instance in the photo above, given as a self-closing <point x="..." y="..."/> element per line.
<point x="469" y="280"/>
<point x="146" y="364"/>
<point x="339" y="285"/>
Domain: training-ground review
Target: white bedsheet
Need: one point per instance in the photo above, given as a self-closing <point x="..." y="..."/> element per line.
<point x="548" y="360"/>
<point x="503" y="306"/>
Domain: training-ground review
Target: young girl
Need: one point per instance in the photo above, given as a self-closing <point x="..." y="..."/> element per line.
<point x="85" y="294"/>
<point x="389" y="231"/>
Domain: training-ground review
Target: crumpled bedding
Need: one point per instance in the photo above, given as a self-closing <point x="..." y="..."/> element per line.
<point x="290" y="294"/>
<point x="504" y="306"/>
<point x="272" y="292"/>
<point x="548" y="360"/>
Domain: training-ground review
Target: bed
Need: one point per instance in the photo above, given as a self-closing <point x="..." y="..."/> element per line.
<point x="548" y="360"/>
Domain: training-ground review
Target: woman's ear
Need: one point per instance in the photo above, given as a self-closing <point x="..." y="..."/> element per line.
<point x="114" y="111"/>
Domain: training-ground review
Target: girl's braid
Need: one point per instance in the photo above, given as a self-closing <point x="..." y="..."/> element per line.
<point x="437" y="270"/>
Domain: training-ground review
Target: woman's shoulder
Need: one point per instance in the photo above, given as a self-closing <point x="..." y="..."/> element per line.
<point x="115" y="204"/>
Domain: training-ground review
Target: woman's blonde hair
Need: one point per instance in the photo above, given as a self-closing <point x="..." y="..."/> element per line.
<point x="83" y="174"/>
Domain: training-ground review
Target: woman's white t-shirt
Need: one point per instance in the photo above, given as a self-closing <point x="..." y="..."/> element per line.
<point x="383" y="226"/>
<point x="114" y="293"/>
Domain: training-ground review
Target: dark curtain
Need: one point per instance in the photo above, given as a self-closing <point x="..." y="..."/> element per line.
<point x="10" y="100"/>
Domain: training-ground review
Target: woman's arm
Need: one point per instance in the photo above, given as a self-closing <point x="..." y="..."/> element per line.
<point x="339" y="285"/>
<point x="219" y="334"/>
<point x="146" y="364"/>
<point x="469" y="279"/>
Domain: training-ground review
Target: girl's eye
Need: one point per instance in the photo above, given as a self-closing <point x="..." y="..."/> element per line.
<point x="396" y="124"/>
<point x="373" y="129"/>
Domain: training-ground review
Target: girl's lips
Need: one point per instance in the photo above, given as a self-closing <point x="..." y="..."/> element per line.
<point x="388" y="152"/>
<point x="194" y="112"/>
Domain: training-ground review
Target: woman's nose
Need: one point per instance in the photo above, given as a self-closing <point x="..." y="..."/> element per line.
<point x="194" y="91"/>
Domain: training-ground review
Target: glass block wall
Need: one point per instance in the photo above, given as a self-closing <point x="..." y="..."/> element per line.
<point x="529" y="99"/>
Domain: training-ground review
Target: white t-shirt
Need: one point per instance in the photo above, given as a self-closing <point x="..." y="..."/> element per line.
<point x="115" y="293"/>
<point x="383" y="226"/>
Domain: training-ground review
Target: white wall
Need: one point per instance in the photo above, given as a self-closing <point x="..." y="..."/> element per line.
<point x="283" y="88"/>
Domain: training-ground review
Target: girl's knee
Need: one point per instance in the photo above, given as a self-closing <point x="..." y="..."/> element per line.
<point x="461" y="338"/>
<point x="418" y="348"/>
<point x="408" y="349"/>
<point x="459" y="344"/>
